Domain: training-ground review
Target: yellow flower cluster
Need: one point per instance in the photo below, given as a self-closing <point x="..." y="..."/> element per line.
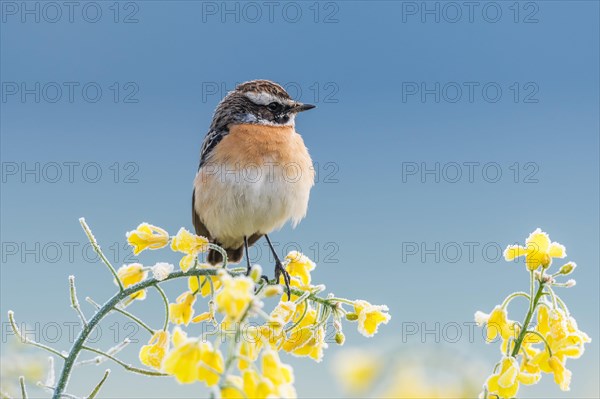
<point x="549" y="334"/>
<point x="193" y="359"/>
<point x="421" y="372"/>
<point x="274" y="381"/>
<point x="296" y="326"/>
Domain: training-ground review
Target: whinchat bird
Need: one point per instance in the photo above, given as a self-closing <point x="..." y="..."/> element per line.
<point x="243" y="189"/>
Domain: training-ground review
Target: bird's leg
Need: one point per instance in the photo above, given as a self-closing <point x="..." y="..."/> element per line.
<point x="248" y="265"/>
<point x="279" y="269"/>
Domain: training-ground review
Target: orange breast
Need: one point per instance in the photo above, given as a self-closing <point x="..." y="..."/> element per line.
<point x="250" y="144"/>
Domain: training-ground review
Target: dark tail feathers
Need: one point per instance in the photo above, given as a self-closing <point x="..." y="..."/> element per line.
<point x="233" y="256"/>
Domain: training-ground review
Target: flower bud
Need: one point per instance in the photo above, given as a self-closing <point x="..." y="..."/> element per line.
<point x="340" y="338"/>
<point x="567" y="268"/>
<point x="351" y="316"/>
<point x="255" y="273"/>
<point x="273" y="290"/>
<point x="570" y="283"/>
<point x="546" y="260"/>
<point x="202" y="317"/>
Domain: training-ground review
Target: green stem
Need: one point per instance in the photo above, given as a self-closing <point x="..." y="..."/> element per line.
<point x="110" y="305"/>
<point x="123" y="364"/>
<point x="532" y="307"/>
<point x="166" y="302"/>
<point x="23" y="390"/>
<point x="100" y="314"/>
<point x="513" y="296"/>
<point x="75" y="301"/>
<point x="96" y="247"/>
<point x="542" y="338"/>
<point x="553" y="296"/>
<point x="299" y="320"/>
<point x="93" y="394"/>
<point x="531" y="288"/>
<point x="312" y="297"/>
<point x="562" y="304"/>
<point x="25" y="340"/>
<point x="125" y="313"/>
<point x="342" y="300"/>
<point x="221" y="251"/>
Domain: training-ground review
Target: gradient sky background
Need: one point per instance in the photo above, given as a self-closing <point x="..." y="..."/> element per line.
<point x="365" y="213"/>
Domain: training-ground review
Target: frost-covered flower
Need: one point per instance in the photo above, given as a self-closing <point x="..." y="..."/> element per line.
<point x="147" y="236"/>
<point x="370" y="317"/>
<point x="161" y="270"/>
<point x="538" y="250"/>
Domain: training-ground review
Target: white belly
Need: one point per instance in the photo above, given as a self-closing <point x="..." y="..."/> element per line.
<point x="233" y="203"/>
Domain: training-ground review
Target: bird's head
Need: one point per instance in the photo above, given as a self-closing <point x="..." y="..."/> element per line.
<point x="258" y="102"/>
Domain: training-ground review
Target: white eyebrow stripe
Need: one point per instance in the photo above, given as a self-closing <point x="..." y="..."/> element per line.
<point x="263" y="98"/>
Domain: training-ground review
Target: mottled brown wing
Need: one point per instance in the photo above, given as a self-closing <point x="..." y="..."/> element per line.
<point x="200" y="228"/>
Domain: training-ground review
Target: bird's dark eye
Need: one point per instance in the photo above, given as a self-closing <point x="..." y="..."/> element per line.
<point x="274" y="107"/>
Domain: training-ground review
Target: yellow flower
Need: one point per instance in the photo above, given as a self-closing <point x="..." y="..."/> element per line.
<point x="281" y="315"/>
<point x="538" y="250"/>
<point x="233" y="388"/>
<point x="562" y="376"/>
<point x="193" y="360"/>
<point x="370" y="317"/>
<point x="147" y="236"/>
<point x="187" y="262"/>
<point x="304" y="339"/>
<point x="211" y="366"/>
<point x="235" y="296"/>
<point x="201" y="284"/>
<point x="498" y="324"/>
<point x="505" y="383"/>
<point x="254" y="385"/>
<point x="153" y="353"/>
<point x="190" y="244"/>
<point x="274" y="370"/>
<point x="299" y="267"/>
<point x="270" y="333"/>
<point x="561" y="332"/>
<point x="272" y="330"/>
<point x="182" y="362"/>
<point x="133" y="274"/>
<point x="182" y="311"/>
<point x="357" y="369"/>
<point x="275" y="381"/>
<point x="528" y="363"/>
<point x="250" y="346"/>
<point x="564" y="339"/>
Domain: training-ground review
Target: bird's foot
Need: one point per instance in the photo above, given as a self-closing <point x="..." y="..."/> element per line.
<point x="280" y="271"/>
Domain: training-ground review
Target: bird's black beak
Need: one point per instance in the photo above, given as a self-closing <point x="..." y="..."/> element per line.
<point x="299" y="107"/>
